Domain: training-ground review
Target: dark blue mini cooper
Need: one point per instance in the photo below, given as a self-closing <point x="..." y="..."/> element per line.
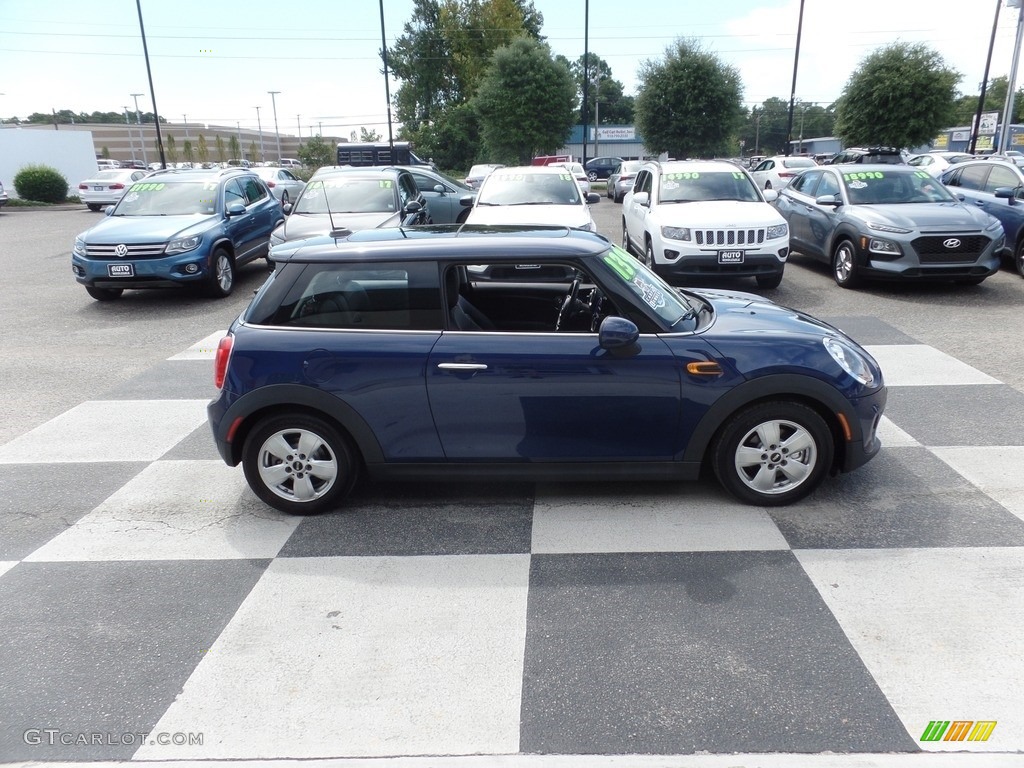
<point x="537" y="354"/>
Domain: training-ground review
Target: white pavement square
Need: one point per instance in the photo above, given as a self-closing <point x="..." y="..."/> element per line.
<point x="108" y="430"/>
<point x="996" y="470"/>
<point x="204" y="349"/>
<point x="939" y="629"/>
<point x="915" y="365"/>
<point x="894" y="437"/>
<point x="176" y="510"/>
<point x="6" y="565"/>
<point x="363" y="656"/>
<point x="664" y="518"/>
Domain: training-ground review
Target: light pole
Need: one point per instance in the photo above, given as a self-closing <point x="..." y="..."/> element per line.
<point x="273" y="101"/>
<point x="1004" y="135"/>
<point x="185" y="119"/>
<point x="138" y="119"/>
<point x="259" y="126"/>
<point x="800" y="147"/>
<point x="131" y="138"/>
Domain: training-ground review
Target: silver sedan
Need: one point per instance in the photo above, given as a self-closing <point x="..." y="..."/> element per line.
<point x="284" y="184"/>
<point x="107" y="187"/>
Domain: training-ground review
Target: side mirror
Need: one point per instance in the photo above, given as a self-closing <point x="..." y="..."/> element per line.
<point x="770" y="195"/>
<point x="467" y="201"/>
<point x="108" y="210"/>
<point x="439" y="188"/>
<point x="642" y="198"/>
<point x="593" y="197"/>
<point x="235" y="209"/>
<point x="413" y="206"/>
<point x="617" y="333"/>
<point x="287" y="208"/>
<point x="1007" y="193"/>
<point x="832" y="200"/>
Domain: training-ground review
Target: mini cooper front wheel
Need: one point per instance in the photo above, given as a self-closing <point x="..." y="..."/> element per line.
<point x="773" y="453"/>
<point x="299" y="464"/>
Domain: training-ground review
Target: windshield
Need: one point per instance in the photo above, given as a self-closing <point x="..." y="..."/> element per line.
<point x="530" y="189"/>
<point x="169" y="198"/>
<point x="887" y="188"/>
<point x="691" y="186"/>
<point x="666" y="302"/>
<point x="348" y="196"/>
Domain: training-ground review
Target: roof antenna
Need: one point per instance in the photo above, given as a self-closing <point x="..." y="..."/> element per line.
<point x="335" y="232"/>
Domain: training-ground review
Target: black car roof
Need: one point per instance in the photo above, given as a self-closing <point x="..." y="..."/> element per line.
<point x="517" y="244"/>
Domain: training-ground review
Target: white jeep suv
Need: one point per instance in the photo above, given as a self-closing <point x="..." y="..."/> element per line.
<point x="702" y="218"/>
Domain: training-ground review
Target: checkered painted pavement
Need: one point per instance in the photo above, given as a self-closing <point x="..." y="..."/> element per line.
<point x="145" y="590"/>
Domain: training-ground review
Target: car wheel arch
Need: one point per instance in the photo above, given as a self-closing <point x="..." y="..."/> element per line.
<point x="278" y="399"/>
<point x="814" y="393"/>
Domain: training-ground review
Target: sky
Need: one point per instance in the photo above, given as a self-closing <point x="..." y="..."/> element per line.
<point x="215" y="62"/>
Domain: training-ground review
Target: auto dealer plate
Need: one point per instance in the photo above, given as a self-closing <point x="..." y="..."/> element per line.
<point x="120" y="270"/>
<point x="730" y="257"/>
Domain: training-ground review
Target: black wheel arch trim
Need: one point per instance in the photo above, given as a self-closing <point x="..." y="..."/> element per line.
<point x="826" y="399"/>
<point x="843" y="232"/>
<point x="281" y="398"/>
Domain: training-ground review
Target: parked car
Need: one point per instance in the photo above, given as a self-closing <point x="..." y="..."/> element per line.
<point x="442" y="194"/>
<point x="576" y="169"/>
<point x="284" y="184"/>
<point x="290" y="162"/>
<point x="936" y="163"/>
<point x="106" y="164"/>
<point x="601" y="167"/>
<point x="343" y="200"/>
<point x="694" y="219"/>
<point x="532" y="194"/>
<point x="107" y="187"/>
<point x="886" y="155"/>
<point x="379" y="355"/>
<point x="3" y="195"/>
<point x="776" y="172"/>
<point x="889" y="222"/>
<point x="478" y="173"/>
<point x="176" y="229"/>
<point x="622" y="178"/>
<point x="997" y="187"/>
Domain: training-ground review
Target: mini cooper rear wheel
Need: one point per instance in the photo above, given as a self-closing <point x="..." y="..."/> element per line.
<point x="773" y="453"/>
<point x="299" y="464"/>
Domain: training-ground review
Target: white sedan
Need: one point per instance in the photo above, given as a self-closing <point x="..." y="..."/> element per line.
<point x="776" y="172"/>
<point x="532" y="194"/>
<point x="936" y="163"/>
<point x="284" y="184"/>
<point x="576" y="169"/>
<point x="107" y="187"/>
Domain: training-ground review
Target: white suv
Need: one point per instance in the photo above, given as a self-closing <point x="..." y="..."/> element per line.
<point x="702" y="218"/>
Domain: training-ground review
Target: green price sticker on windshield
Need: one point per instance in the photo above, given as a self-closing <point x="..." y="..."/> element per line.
<point x="863" y="175"/>
<point x="687" y="176"/>
<point x="146" y="187"/>
<point x="384" y="184"/>
<point x="621" y="262"/>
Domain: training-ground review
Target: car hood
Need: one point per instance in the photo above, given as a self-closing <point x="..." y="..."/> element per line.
<point x="940" y="216"/>
<point x="299" y="226"/>
<point x="574" y="216"/>
<point x="148" y="229"/>
<point x="710" y="214"/>
<point x="734" y="309"/>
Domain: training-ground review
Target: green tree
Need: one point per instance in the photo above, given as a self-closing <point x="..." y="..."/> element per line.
<point x="901" y="95"/>
<point x="456" y="139"/>
<point x="689" y="104"/>
<point x="219" y="143"/>
<point x="188" y="152"/>
<point x="253" y="152"/>
<point x="316" y="153"/>
<point x="369" y="135"/>
<point x="234" y="147"/>
<point x="105" y="152"/>
<point x="605" y="95"/>
<point x="202" y="149"/>
<point x="171" y="149"/>
<point x="542" y="114"/>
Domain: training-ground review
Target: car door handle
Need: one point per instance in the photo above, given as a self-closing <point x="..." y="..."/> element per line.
<point x="462" y="366"/>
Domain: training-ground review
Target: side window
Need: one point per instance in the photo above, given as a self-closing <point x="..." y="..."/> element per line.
<point x="952" y="178"/>
<point x="829" y="185"/>
<point x="233" y="193"/>
<point x="254" y="191"/>
<point x="287" y="176"/>
<point x="407" y="188"/>
<point x="382" y="296"/>
<point x="806" y="182"/>
<point x="424" y="183"/>
<point x="1001" y="177"/>
<point x="973" y="177"/>
<point x="644" y="182"/>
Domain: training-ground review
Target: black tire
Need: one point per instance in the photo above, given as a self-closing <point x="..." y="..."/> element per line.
<point x="93" y="206"/>
<point x="286" y="458"/>
<point x="221" y="280"/>
<point x="648" y="257"/>
<point x="844" y="265"/>
<point x="769" y="281"/>
<point x="104" y="294"/>
<point x="773" y="453"/>
<point x="284" y="197"/>
<point x="1018" y="258"/>
<point x="625" y="238"/>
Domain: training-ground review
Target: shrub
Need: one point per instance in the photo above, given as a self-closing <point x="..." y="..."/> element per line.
<point x="42" y="183"/>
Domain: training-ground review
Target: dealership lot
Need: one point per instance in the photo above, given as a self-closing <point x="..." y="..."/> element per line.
<point x="144" y="589"/>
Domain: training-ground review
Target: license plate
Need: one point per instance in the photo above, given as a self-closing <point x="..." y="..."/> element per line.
<point x="98" y="189"/>
<point x="120" y="270"/>
<point x="730" y="257"/>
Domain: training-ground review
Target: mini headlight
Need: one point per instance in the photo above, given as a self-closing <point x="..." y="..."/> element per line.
<point x="888" y="228"/>
<point x="675" y="233"/>
<point x="183" y="244"/>
<point x="777" y="230"/>
<point x="850" y="360"/>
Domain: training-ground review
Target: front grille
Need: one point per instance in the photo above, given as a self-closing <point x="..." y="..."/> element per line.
<point x="931" y="249"/>
<point x="137" y="251"/>
<point x="729" y="236"/>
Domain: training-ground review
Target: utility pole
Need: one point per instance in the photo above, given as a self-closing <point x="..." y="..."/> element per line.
<point x="792" y="90"/>
<point x="185" y="119"/>
<point x="984" y="84"/>
<point x="1004" y="135"/>
<point x="273" y="101"/>
<point x="259" y="126"/>
<point x="138" y="119"/>
<point x="131" y="137"/>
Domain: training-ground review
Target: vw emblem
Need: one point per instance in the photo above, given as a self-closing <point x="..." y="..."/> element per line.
<point x="952" y="242"/>
<point x="122" y="250"/>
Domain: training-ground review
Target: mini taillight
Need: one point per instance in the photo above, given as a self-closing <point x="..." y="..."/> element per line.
<point x="117" y="185"/>
<point x="220" y="364"/>
<point x="786" y="174"/>
<point x="271" y="184"/>
<point x="83" y="186"/>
